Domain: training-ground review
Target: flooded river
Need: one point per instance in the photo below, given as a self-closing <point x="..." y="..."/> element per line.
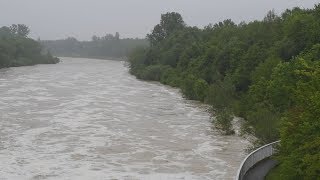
<point x="90" y="119"/>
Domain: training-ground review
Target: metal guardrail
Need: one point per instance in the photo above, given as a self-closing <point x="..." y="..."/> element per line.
<point x="255" y="157"/>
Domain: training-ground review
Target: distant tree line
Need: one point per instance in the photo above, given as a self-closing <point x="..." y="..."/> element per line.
<point x="108" y="46"/>
<point x="267" y="72"/>
<point x="16" y="49"/>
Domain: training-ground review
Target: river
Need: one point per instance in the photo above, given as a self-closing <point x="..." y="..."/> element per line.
<point x="90" y="119"/>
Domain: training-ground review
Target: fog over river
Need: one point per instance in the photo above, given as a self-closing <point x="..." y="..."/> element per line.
<point x="90" y="119"/>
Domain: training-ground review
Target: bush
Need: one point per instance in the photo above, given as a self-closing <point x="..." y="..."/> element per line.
<point x="266" y="124"/>
<point x="193" y="88"/>
<point x="223" y="121"/>
<point x="170" y="77"/>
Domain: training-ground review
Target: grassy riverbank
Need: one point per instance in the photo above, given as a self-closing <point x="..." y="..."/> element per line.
<point x="267" y="72"/>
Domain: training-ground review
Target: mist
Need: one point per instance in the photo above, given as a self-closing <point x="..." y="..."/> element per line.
<point x="83" y="18"/>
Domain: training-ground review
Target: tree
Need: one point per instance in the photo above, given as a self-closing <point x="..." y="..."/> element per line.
<point x="95" y="38"/>
<point x="5" y="32"/>
<point x="117" y="36"/>
<point x="108" y="37"/>
<point x="14" y="28"/>
<point x="16" y="49"/>
<point x="271" y="16"/>
<point x="23" y="30"/>
<point x="99" y="47"/>
<point x="20" y="30"/>
<point x="169" y="23"/>
<point x="300" y="155"/>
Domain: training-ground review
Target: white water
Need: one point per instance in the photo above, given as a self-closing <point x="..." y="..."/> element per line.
<point x="90" y="119"/>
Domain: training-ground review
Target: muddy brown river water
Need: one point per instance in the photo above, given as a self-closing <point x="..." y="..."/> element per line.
<point x="90" y="119"/>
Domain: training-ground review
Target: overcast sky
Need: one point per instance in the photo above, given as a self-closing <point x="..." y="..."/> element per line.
<point x="56" y="19"/>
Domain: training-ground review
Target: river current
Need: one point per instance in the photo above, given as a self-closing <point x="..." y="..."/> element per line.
<point x="90" y="119"/>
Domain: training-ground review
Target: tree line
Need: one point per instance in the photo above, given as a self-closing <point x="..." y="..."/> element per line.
<point x="16" y="49"/>
<point x="266" y="71"/>
<point x="108" y="46"/>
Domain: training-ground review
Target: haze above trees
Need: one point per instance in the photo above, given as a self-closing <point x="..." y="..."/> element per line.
<point x="108" y="46"/>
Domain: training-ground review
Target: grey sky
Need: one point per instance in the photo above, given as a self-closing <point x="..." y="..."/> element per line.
<point x="55" y="19"/>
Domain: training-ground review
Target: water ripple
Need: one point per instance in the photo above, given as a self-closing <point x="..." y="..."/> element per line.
<point x="89" y="119"/>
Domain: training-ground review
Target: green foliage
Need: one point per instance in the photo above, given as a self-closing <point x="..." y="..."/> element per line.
<point x="300" y="153"/>
<point x="137" y="60"/>
<point x="153" y="72"/>
<point x="274" y="174"/>
<point x="193" y="88"/>
<point x="312" y="54"/>
<point x="221" y="95"/>
<point x="266" y="124"/>
<point x="264" y="71"/>
<point x="16" y="49"/>
<point x="169" y="23"/>
<point x="224" y="121"/>
<point x="19" y="30"/>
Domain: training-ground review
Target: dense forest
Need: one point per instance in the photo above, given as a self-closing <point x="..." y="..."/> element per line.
<point x="108" y="46"/>
<point x="267" y="72"/>
<point x="16" y="49"/>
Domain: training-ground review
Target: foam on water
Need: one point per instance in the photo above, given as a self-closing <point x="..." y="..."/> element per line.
<point x="90" y="119"/>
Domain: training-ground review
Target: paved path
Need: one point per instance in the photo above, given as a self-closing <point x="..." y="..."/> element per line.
<point x="259" y="171"/>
